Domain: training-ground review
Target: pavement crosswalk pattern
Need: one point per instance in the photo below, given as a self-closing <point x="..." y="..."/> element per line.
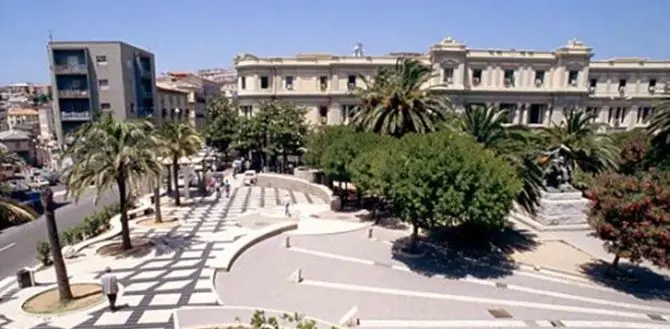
<point x="176" y="274"/>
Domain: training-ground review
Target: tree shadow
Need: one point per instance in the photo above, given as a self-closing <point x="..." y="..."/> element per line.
<point x="458" y="252"/>
<point x="637" y="281"/>
<point x="171" y="243"/>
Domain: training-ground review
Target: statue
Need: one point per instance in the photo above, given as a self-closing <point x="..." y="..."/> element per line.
<point x="558" y="169"/>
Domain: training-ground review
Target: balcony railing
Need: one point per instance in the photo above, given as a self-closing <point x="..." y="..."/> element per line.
<point x="73" y="93"/>
<point x="70" y="69"/>
<point x="75" y="115"/>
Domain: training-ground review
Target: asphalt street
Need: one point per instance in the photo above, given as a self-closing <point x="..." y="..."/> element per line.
<point x="17" y="244"/>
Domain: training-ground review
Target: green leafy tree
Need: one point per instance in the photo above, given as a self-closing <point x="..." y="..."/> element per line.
<point x="319" y="140"/>
<point x="289" y="131"/>
<point x="630" y="214"/>
<point x="396" y="102"/>
<point x="517" y="145"/>
<point x="179" y="140"/>
<point x="443" y="179"/>
<point x="222" y="125"/>
<point x="366" y="169"/>
<point x="337" y="158"/>
<point x="111" y="153"/>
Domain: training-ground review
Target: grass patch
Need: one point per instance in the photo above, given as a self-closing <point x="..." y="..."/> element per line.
<point x="85" y="295"/>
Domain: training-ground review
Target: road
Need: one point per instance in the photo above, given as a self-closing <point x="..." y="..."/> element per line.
<point x="17" y="244"/>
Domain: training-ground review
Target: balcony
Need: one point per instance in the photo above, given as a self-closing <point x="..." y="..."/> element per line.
<point x="75" y="115"/>
<point x="70" y="69"/>
<point x="73" y="93"/>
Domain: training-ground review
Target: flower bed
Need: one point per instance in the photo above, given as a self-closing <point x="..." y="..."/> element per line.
<point x="93" y="225"/>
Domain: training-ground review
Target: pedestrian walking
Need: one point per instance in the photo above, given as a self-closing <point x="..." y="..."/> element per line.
<point x="110" y="287"/>
<point x="287" y="206"/>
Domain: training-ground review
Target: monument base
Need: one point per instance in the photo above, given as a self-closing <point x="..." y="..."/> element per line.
<point x="562" y="208"/>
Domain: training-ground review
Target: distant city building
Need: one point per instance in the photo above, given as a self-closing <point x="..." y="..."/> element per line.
<point x="22" y="116"/>
<point x="199" y="90"/>
<point x="94" y="78"/>
<point x="533" y="87"/>
<point x="173" y="105"/>
<point x="227" y="78"/>
<point x="21" y="143"/>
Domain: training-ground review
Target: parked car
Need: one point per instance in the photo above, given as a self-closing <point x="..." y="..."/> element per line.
<point x="250" y="177"/>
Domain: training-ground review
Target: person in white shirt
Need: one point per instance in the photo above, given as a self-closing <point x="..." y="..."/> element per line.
<point x="287" y="206"/>
<point x="110" y="287"/>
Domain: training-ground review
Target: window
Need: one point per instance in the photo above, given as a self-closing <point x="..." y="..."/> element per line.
<point x="593" y="112"/>
<point x="265" y="82"/>
<point x="103" y="84"/>
<point x="539" y="78"/>
<point x="622" y="83"/>
<point x="448" y="75"/>
<point x="616" y="116"/>
<point x="323" y="114"/>
<point x="510" y="112"/>
<point x="536" y="114"/>
<point x="243" y="83"/>
<point x="652" y="86"/>
<point x="132" y="107"/>
<point x="288" y="82"/>
<point x="105" y="106"/>
<point x="351" y="82"/>
<point x="247" y="110"/>
<point x="643" y="114"/>
<point x="346" y="111"/>
<point x="101" y="60"/>
<point x="592" y="85"/>
<point x="476" y="76"/>
<point x="508" y="80"/>
<point x="572" y="77"/>
<point x="323" y="82"/>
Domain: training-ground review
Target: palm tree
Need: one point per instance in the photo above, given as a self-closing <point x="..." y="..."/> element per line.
<point x="64" y="291"/>
<point x="395" y="102"/>
<point x="516" y="144"/>
<point x="584" y="147"/>
<point x="179" y="140"/>
<point x="659" y="125"/>
<point x="10" y="209"/>
<point x="111" y="153"/>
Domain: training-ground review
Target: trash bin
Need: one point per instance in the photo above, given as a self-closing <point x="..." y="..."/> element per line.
<point x="24" y="278"/>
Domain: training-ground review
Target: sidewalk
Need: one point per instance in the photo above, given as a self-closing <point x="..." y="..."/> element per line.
<point x="585" y="243"/>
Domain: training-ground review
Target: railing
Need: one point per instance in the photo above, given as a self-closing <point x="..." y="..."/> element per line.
<point x="70" y="68"/>
<point x="75" y="115"/>
<point x="72" y="93"/>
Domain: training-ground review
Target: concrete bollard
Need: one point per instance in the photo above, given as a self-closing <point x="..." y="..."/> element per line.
<point x="287" y="242"/>
<point x="370" y="233"/>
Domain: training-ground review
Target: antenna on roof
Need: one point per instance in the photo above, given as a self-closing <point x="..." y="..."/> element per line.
<point x="51" y="35"/>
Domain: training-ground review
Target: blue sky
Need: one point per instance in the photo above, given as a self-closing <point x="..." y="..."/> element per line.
<point x="187" y="35"/>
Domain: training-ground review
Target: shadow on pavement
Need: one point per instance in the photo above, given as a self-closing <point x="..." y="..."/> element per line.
<point x="637" y="281"/>
<point x="458" y="252"/>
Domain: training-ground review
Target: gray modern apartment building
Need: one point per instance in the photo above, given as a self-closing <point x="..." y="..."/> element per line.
<point x="94" y="78"/>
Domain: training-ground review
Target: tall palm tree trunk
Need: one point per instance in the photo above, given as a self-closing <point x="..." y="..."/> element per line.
<point x="157" y="201"/>
<point x="64" y="291"/>
<point x="123" y="200"/>
<point x="175" y="173"/>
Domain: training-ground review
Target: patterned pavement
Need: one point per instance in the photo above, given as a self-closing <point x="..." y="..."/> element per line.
<point x="176" y="273"/>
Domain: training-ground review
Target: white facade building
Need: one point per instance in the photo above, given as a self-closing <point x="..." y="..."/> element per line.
<point x="533" y="85"/>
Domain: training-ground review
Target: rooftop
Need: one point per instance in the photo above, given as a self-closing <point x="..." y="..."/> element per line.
<point x="13" y="134"/>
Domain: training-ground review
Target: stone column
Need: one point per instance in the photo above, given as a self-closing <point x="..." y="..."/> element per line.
<point x="525" y="117"/>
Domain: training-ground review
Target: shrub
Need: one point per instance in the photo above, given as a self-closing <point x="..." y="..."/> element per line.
<point x="67" y="237"/>
<point x="44" y="252"/>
